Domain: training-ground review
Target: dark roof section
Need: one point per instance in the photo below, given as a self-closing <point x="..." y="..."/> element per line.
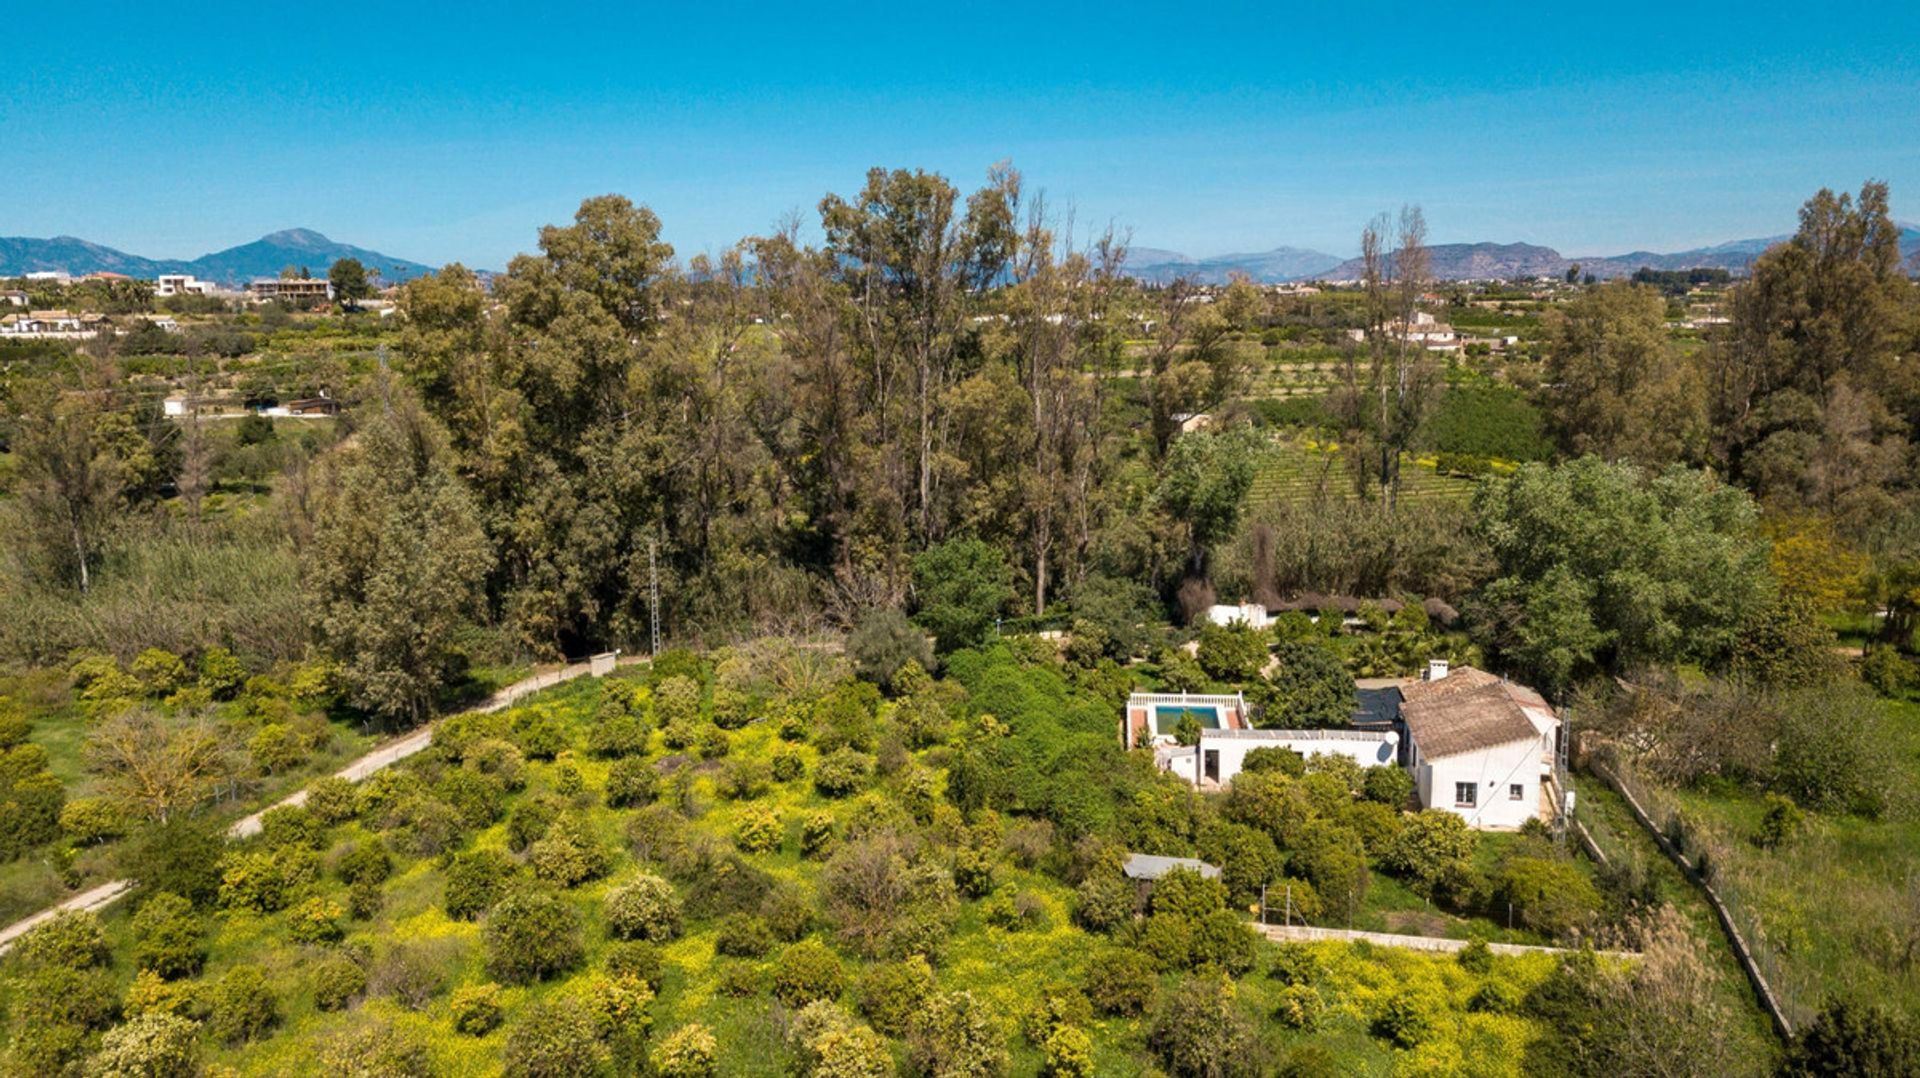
<point x="1467" y="711"/>
<point x="1376" y="708"/>
<point x="1147" y="866"/>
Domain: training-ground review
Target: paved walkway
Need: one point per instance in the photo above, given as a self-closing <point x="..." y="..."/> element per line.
<point x="1308" y="934"/>
<point x="385" y="756"/>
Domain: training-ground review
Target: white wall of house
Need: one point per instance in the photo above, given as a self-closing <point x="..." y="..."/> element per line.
<point x="1367" y="748"/>
<point x="1505" y="783"/>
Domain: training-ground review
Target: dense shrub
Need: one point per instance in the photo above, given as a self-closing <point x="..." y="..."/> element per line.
<point x="1554" y="898"/>
<point x="317" y="920"/>
<point x="742" y="935"/>
<point x="842" y="772"/>
<point x="475" y="1009"/>
<point x="569" y="853"/>
<point x="555" y="1039"/>
<point x="1103" y="902"/>
<point x="332" y="800"/>
<point x="1275" y="758"/>
<point x="1121" y="981"/>
<point x="806" y="972"/>
<point x="676" y="702"/>
<point x="242" y="1006"/>
<point x="758" y="830"/>
<point x="475" y="881"/>
<point x="530" y="935"/>
<point x="1389" y="786"/>
<point x="687" y="1052"/>
<point x="1233" y="653"/>
<point x="154" y="1045"/>
<point x="1308" y="689"/>
<point x="954" y="1034"/>
<point x="883" y="642"/>
<point x="92" y="820"/>
<point x="377" y="1048"/>
<point x="891" y="993"/>
<point x="1200" y="1031"/>
<point x="71" y="939"/>
<point x="337" y="981"/>
<point x="632" y="782"/>
<point x="646" y="907"/>
<point x="168" y="937"/>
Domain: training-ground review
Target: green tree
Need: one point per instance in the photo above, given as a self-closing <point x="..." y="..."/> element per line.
<point x="1601" y="566"/>
<point x="1308" y="689"/>
<point x="1621" y="391"/>
<point x="398" y="560"/>
<point x="1204" y="487"/>
<point x="961" y="586"/>
<point x="350" y="283"/>
<point x="883" y="642"/>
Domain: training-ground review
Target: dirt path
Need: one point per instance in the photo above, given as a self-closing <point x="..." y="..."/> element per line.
<point x="1306" y="934"/>
<point x="383" y="757"/>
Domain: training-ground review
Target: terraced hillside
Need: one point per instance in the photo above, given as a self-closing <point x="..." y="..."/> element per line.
<point x="1300" y="471"/>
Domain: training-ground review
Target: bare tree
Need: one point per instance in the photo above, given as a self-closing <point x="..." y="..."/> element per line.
<point x="1399" y="375"/>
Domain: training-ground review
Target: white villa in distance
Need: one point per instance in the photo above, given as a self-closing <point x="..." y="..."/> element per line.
<point x="1476" y="744"/>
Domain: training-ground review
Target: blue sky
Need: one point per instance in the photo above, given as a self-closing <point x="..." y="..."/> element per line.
<point x="452" y="132"/>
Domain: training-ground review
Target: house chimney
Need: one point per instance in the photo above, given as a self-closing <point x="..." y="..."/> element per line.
<point x="1436" y="669"/>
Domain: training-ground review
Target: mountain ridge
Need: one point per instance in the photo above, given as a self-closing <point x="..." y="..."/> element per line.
<point x="1478" y="261"/>
<point x="264" y="257"/>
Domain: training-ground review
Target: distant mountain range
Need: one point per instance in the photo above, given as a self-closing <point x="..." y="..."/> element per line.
<point x="264" y="257"/>
<point x="1465" y="262"/>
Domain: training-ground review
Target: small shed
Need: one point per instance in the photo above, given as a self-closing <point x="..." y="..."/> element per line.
<point x="1144" y="868"/>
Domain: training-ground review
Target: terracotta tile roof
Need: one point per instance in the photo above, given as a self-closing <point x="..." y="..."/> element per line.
<point x="1467" y="711"/>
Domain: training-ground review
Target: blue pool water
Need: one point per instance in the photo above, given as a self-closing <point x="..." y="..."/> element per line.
<point x="1166" y="717"/>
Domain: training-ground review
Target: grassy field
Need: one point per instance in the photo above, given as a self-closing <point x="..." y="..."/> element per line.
<point x="1606" y="817"/>
<point x="1835" y="910"/>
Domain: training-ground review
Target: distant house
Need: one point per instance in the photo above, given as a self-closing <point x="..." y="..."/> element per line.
<point x="181" y="284"/>
<point x="313" y="406"/>
<point x="56" y="276"/>
<point x="1480" y="746"/>
<point x="1252" y="614"/>
<point x="1188" y="422"/>
<point x="1424" y="331"/>
<point x="52" y="325"/>
<point x="14" y="298"/>
<point x="308" y="291"/>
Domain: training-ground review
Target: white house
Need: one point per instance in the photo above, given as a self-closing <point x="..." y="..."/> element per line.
<point x="1253" y="614"/>
<point x="181" y="284"/>
<point x="1220" y="755"/>
<point x="54" y="325"/>
<point x="1480" y="746"/>
<point x="13" y="297"/>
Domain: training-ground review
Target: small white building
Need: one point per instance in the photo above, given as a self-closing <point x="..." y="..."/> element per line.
<point x="181" y="284"/>
<point x="1252" y="614"/>
<point x="13" y="297"/>
<point x="1480" y="746"/>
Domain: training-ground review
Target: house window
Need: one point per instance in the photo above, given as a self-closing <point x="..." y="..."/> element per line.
<point x="1465" y="793"/>
<point x="1516" y="792"/>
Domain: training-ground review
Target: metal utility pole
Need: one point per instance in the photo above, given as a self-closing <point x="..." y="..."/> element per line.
<point x="653" y="599"/>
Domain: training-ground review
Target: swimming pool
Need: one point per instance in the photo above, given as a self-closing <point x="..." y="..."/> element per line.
<point x="1167" y="717"/>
